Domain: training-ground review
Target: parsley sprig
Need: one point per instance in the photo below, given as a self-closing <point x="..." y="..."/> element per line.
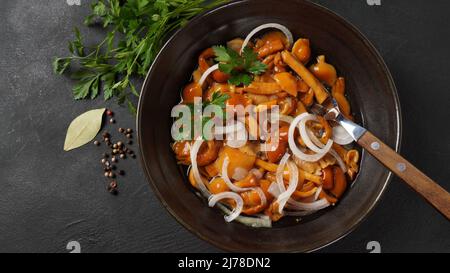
<point x="242" y="68"/>
<point x="136" y="29"/>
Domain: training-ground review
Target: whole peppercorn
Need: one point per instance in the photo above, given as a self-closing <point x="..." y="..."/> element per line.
<point x="112" y="121"/>
<point x="112" y="187"/>
<point x="121" y="130"/>
<point x="129" y="130"/>
<point x="129" y="136"/>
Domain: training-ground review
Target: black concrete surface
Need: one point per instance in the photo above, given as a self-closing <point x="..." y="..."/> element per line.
<point x="49" y="197"/>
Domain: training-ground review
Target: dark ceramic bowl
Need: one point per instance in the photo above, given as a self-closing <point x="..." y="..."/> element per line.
<point x="371" y="90"/>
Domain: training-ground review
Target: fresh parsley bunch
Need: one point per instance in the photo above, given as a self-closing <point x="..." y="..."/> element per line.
<point x="242" y="68"/>
<point x="136" y="29"/>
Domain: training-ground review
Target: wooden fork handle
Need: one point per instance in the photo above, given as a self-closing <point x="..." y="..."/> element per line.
<point x="422" y="184"/>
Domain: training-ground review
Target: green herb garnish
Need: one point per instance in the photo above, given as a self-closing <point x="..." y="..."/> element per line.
<point x="217" y="99"/>
<point x="136" y="29"/>
<point x="242" y="68"/>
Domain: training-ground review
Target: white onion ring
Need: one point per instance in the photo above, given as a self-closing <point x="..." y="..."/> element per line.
<point x="282" y="28"/>
<point x="280" y="172"/>
<point x="305" y="137"/>
<point x="332" y="152"/>
<point x="317" y="205"/>
<point x="339" y="160"/>
<point x="194" y="151"/>
<point x="274" y="189"/>
<point x="299" y="206"/>
<point x="316" y="195"/>
<point x="213" y="199"/>
<point x="207" y="73"/>
<point x="235" y="188"/>
<point x="255" y="222"/>
<point x="293" y="146"/>
<point x="341" y="136"/>
<point x="293" y="182"/>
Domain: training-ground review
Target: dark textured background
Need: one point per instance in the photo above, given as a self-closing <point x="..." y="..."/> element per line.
<point x="49" y="197"/>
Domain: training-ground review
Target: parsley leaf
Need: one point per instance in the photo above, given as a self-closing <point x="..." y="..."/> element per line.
<point x="222" y="54"/>
<point x="239" y="79"/>
<point x="240" y="67"/>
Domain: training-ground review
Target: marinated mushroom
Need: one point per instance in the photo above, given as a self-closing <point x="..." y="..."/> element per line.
<point x="302" y="50"/>
<point x="324" y="71"/>
<point x="287" y="82"/>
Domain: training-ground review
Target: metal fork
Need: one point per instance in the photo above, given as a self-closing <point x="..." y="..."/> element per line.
<point x="437" y="196"/>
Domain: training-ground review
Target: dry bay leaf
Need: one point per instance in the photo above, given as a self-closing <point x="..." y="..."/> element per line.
<point x="83" y="129"/>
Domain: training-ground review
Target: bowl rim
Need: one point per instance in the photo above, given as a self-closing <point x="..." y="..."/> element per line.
<point x="351" y="27"/>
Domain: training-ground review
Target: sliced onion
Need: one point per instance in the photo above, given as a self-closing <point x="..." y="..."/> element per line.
<point x="293" y="146"/>
<point x="317" y="205"/>
<point x="282" y="28"/>
<point x="207" y="73"/>
<point x="332" y="152"/>
<point x="274" y="190"/>
<point x="341" y="136"/>
<point x="194" y="151"/>
<point x="316" y="195"/>
<point x="235" y="188"/>
<point x="254" y="222"/>
<point x="339" y="160"/>
<point x="213" y="199"/>
<point x="305" y="136"/>
<point x="299" y="206"/>
<point x="280" y="172"/>
<point x="293" y="182"/>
